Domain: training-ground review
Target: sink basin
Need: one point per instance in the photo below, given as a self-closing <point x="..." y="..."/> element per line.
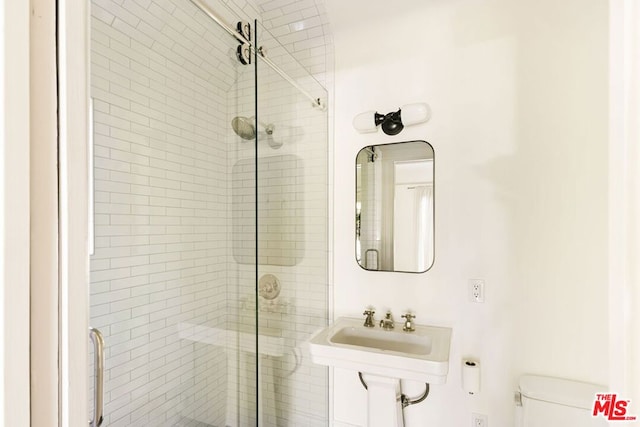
<point x="401" y="342"/>
<point x="422" y="355"/>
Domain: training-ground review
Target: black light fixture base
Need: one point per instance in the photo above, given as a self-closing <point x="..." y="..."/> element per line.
<point x="392" y="123"/>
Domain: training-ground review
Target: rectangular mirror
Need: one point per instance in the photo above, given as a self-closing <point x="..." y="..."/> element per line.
<point x="394" y="207"/>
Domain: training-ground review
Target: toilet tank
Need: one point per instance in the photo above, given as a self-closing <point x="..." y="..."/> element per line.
<point x="556" y="402"/>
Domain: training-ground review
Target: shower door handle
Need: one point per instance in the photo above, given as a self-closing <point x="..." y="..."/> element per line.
<point x="98" y="386"/>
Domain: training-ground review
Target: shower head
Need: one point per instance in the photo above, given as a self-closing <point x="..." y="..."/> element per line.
<point x="244" y="128"/>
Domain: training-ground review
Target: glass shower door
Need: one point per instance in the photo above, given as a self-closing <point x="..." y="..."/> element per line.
<point x="210" y="221"/>
<point x="292" y="204"/>
<point x="169" y="269"/>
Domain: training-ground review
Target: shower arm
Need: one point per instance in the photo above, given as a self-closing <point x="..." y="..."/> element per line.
<point x="201" y="4"/>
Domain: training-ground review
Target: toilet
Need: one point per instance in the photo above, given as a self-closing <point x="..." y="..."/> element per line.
<point x="556" y="402"/>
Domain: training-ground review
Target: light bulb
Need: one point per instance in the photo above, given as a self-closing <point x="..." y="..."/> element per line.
<point x="365" y="122"/>
<point x="415" y="113"/>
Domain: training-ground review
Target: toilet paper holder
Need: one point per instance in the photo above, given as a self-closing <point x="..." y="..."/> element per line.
<point x="471" y="376"/>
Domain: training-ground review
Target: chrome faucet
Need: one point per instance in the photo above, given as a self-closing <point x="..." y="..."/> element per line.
<point x="387" y="323"/>
<point x="368" y="322"/>
<point x="408" y="323"/>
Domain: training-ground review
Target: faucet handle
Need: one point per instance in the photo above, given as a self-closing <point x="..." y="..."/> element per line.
<point x="368" y="322"/>
<point x="408" y="324"/>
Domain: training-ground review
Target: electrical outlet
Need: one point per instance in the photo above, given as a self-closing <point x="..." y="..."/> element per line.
<point x="476" y="290"/>
<point x="479" y="420"/>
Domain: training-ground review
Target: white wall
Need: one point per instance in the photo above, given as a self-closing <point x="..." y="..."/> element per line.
<point x="624" y="204"/>
<point x="14" y="213"/>
<point x="519" y="98"/>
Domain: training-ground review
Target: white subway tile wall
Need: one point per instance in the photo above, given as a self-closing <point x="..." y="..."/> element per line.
<point x="302" y="28"/>
<point x="176" y="307"/>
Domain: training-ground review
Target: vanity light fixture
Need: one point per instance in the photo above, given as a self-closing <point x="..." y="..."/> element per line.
<point x="392" y="123"/>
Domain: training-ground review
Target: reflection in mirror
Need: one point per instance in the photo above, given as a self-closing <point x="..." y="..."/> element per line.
<point x="394" y="207"/>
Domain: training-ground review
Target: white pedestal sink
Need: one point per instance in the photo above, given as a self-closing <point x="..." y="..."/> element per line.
<point x="384" y="357"/>
<point x="384" y="407"/>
